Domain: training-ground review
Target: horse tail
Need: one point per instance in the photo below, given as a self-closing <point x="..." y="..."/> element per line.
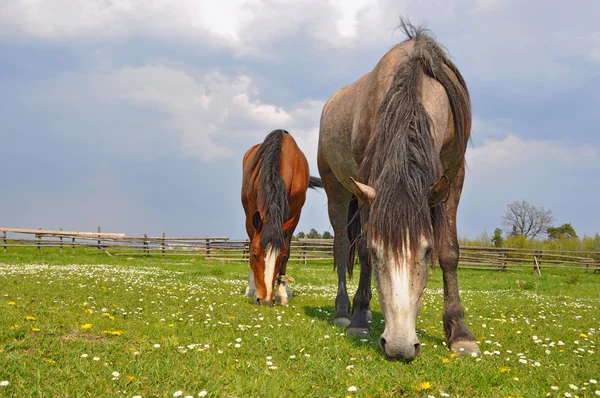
<point x="429" y="57"/>
<point x="315" y="182"/>
<point x="354" y="230"/>
<point x="272" y="194"/>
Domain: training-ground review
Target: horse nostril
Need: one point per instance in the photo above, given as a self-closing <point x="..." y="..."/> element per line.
<point x="417" y="348"/>
<point x="256" y="300"/>
<point x="382" y="343"/>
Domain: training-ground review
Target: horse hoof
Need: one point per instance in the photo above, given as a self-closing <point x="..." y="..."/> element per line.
<point x="466" y="348"/>
<point x="358" y="332"/>
<point x="341" y="322"/>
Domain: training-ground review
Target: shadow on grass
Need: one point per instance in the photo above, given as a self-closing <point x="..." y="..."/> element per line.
<point x="325" y="314"/>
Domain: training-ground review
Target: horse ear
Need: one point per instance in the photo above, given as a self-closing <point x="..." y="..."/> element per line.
<point x="289" y="224"/>
<point x="256" y="221"/>
<point x="439" y="192"/>
<point x="365" y="193"/>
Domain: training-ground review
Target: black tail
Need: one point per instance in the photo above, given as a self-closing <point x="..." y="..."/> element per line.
<point x="315" y="182"/>
<point x="354" y="231"/>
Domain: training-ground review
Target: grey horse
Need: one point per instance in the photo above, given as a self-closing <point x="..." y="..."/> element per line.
<point x="392" y="159"/>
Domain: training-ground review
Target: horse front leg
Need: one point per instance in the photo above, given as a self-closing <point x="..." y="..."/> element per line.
<point x="459" y="337"/>
<point x="283" y="291"/>
<point x="361" y="309"/>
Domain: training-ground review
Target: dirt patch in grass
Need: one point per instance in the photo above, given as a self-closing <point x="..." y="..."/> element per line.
<point x="76" y="335"/>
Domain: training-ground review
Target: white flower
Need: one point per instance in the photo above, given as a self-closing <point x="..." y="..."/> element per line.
<point x="137" y="396"/>
<point x="597" y="392"/>
<point x="116" y="374"/>
<point x="352" y="389"/>
<point x="237" y="345"/>
<point x="188" y="396"/>
<point x="83" y="356"/>
<point x="292" y="357"/>
<point x="593" y="381"/>
<point x="537" y="364"/>
<point x="202" y="394"/>
<point x="349" y="367"/>
<point x="178" y="393"/>
<point x="568" y="394"/>
<point x="573" y="387"/>
<point x="555" y="388"/>
<point x="96" y="358"/>
<point x="4" y="383"/>
<point x="239" y="339"/>
<point x="444" y="394"/>
<point x="269" y="363"/>
<point x="156" y="345"/>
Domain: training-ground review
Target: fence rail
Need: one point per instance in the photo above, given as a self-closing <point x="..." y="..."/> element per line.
<point x="302" y="250"/>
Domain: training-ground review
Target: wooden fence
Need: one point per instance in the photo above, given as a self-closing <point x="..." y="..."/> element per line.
<point x="303" y="250"/>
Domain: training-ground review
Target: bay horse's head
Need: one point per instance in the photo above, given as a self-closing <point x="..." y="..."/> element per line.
<point x="268" y="248"/>
<point x="401" y="242"/>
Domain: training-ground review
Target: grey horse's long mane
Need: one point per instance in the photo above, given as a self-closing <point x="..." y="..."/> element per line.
<point x="401" y="160"/>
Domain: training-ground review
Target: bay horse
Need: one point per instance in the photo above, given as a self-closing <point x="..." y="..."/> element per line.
<point x="275" y="180"/>
<point x="392" y="159"/>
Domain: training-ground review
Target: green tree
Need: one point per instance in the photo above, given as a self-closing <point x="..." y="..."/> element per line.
<point x="564" y="231"/>
<point x="313" y="234"/>
<point x="300" y="235"/>
<point x="327" y="235"/>
<point x="497" y="239"/>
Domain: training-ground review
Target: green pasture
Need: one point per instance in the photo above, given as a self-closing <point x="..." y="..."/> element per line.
<point x="92" y="325"/>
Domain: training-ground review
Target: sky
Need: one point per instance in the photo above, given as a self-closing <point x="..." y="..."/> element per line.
<point x="134" y="115"/>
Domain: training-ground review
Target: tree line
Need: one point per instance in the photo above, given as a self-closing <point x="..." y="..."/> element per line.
<point x="524" y="226"/>
<point x="313" y="234"/>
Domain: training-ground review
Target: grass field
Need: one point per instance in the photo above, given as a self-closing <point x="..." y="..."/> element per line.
<point x="90" y="325"/>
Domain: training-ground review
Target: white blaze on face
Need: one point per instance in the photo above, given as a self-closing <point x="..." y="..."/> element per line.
<point x="393" y="280"/>
<point x="270" y="259"/>
<point x="400" y="278"/>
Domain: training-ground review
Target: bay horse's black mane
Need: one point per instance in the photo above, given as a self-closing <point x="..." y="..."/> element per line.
<point x="401" y="160"/>
<point x="272" y="195"/>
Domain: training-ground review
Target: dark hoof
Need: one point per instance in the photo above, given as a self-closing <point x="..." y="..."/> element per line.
<point x="466" y="348"/>
<point x="358" y="332"/>
<point x="341" y="322"/>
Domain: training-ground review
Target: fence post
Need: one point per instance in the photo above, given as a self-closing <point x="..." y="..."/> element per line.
<point x="537" y="260"/>
<point x="61" y="243"/>
<point x="73" y="246"/>
<point x="39" y="242"/>
<point x="501" y="261"/>
<point x="99" y="240"/>
<point x="4" y="239"/>
<point x="145" y="245"/>
<point x="163" y="245"/>
<point x="304" y="253"/>
<point x="246" y="253"/>
<point x="207" y="256"/>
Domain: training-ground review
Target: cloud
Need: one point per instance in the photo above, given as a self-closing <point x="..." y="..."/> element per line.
<point x="552" y="174"/>
<point x="513" y="154"/>
<point x="209" y="114"/>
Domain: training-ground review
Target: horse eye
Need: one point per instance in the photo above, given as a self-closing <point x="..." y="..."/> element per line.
<point x="428" y="251"/>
